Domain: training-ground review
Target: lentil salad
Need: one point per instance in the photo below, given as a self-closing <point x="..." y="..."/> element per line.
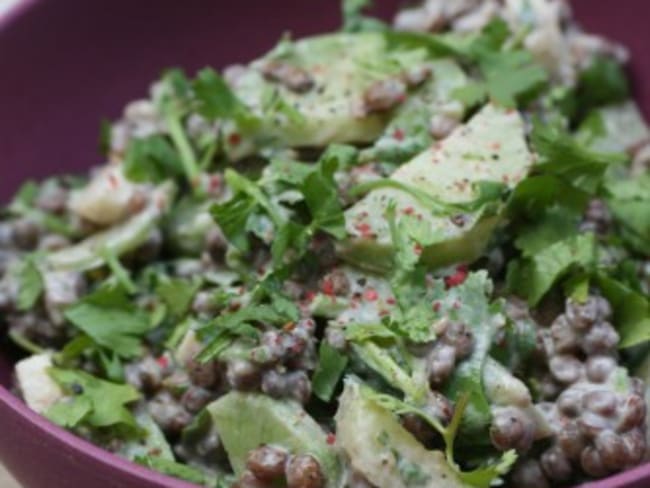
<point x="408" y="255"/>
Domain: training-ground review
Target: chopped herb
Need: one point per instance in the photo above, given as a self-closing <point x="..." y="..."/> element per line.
<point x="569" y="160"/>
<point x="173" y="469"/>
<point x="603" y="82"/>
<point x="629" y="202"/>
<point x="327" y="376"/>
<point x="223" y="330"/>
<point x="533" y="277"/>
<point x="30" y="283"/>
<point x="215" y="100"/>
<point x="631" y="310"/>
<point x="93" y="402"/>
<point x="152" y="159"/>
<point x="177" y="294"/>
<point x="111" y="320"/>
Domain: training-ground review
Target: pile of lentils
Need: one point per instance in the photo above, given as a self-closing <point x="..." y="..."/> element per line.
<point x="596" y="413"/>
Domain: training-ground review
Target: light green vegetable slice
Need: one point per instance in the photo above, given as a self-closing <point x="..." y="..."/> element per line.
<point x="245" y="421"/>
<point x="490" y="148"/>
<point x="382" y="450"/>
<point x="117" y="240"/>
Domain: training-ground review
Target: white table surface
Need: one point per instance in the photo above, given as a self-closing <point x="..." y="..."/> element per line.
<point x="6" y="481"/>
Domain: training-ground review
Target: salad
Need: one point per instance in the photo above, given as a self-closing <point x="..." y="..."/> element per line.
<point x="414" y="255"/>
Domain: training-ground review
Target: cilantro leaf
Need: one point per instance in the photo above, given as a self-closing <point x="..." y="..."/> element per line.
<point x="152" y="159"/>
<point x="215" y="100"/>
<point x="603" y="82"/>
<point x="174" y="105"/>
<point x="415" y="315"/>
<point x="111" y="320"/>
<point x="274" y="104"/>
<point x="321" y="194"/>
<point x="227" y="327"/>
<point x="511" y="76"/>
<point x="331" y="365"/>
<point x="486" y="476"/>
<point x="472" y="94"/>
<point x="177" y="294"/>
<point x="534" y="276"/>
<point x="381" y="359"/>
<point x="30" y="283"/>
<point x="93" y="402"/>
<point x="570" y="161"/>
<point x="173" y="469"/>
<point x="534" y="195"/>
<point x="554" y="225"/>
<point x="289" y="236"/>
<point x="119" y="272"/>
<point x="243" y="185"/>
<point x="629" y="202"/>
<point x="232" y="216"/>
<point x="631" y="310"/>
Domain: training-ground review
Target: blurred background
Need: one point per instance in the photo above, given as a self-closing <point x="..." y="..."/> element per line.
<point x="65" y="64"/>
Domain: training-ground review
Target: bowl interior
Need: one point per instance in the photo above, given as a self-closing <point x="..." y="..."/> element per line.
<point x="67" y="64"/>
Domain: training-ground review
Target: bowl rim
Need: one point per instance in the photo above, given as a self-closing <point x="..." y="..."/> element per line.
<point x="17" y="407"/>
<point x="102" y="456"/>
<point x="21" y="7"/>
<point x="83" y="447"/>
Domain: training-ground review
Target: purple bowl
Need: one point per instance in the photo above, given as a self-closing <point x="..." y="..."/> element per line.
<point x="66" y="64"/>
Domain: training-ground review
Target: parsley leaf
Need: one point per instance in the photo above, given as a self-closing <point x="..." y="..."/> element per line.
<point x="93" y="402"/>
<point x="629" y="202"/>
<point x="321" y="193"/>
<point x="30" y="283"/>
<point x="471" y="95"/>
<point x="152" y="159"/>
<point x="232" y="216"/>
<point x="603" y="82"/>
<point x="173" y="469"/>
<point x="631" y="310"/>
<point x="510" y="76"/>
<point x="177" y="294"/>
<point x="415" y="315"/>
<point x="331" y="365"/>
<point x="111" y="320"/>
<point x="534" y="195"/>
<point x="288" y="230"/>
<point x="119" y="272"/>
<point x="227" y="327"/>
<point x="554" y="225"/>
<point x="533" y="277"/>
<point x="174" y="105"/>
<point x="570" y="161"/>
<point x="215" y="100"/>
<point x="486" y="476"/>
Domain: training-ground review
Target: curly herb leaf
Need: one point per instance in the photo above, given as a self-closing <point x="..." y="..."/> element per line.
<point x="94" y="402"/>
